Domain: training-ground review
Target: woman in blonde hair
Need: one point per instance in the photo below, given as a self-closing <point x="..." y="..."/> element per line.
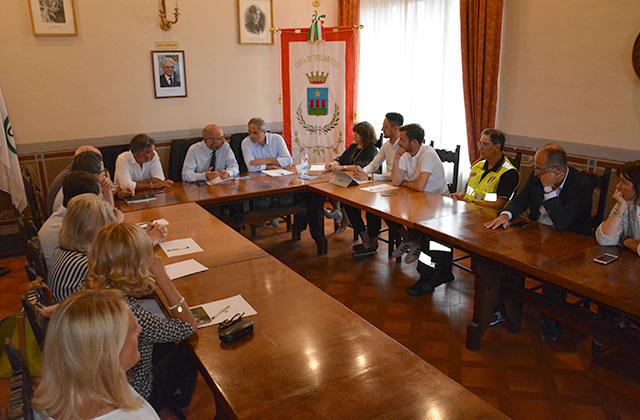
<point x="86" y="215"/>
<point x="91" y="341"/>
<point x="121" y="258"/>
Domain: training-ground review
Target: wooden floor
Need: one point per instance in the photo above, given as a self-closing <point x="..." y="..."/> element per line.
<point x="521" y="375"/>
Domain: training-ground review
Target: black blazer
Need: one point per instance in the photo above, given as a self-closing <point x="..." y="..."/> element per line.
<point x="570" y="211"/>
<point x="174" y="83"/>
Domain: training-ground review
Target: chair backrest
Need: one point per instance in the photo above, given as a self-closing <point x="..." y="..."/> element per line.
<point x="35" y="199"/>
<point x="177" y="153"/>
<point x="34" y="299"/>
<point x="236" y="145"/>
<point x="109" y="156"/>
<point x="600" y="183"/>
<point x="380" y="141"/>
<point x="35" y="265"/>
<point x="517" y="160"/>
<point x="21" y="395"/>
<point x="453" y="157"/>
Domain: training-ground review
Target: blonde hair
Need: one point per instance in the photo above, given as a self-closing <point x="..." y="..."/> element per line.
<point x="82" y="357"/>
<point x="86" y="215"/>
<point x="120" y="258"/>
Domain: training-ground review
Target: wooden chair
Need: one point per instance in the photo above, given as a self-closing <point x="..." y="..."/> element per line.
<point x="452" y="157"/>
<point x="35" y="199"/>
<point x="600" y="183"/>
<point x="177" y="153"/>
<point x="36" y="265"/>
<point x="22" y="392"/>
<point x="34" y="299"/>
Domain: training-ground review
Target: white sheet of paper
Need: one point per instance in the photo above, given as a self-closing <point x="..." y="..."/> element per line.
<point x="180" y="247"/>
<point x="218" y="310"/>
<point x="218" y="180"/>
<point x="316" y="168"/>
<point x="184" y="268"/>
<point x="380" y="188"/>
<point x="163" y="222"/>
<point x="277" y="172"/>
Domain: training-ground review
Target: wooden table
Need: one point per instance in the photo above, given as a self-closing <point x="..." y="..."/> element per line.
<point x="238" y="198"/>
<point x="309" y="356"/>
<point x="501" y="259"/>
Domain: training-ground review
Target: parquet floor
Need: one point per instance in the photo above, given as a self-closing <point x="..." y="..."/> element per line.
<point x="521" y="375"/>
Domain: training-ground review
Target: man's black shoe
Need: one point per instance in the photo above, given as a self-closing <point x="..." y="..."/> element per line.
<point x="550" y="330"/>
<point x="421" y="288"/>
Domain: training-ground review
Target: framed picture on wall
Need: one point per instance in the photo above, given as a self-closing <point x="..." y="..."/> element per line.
<point x="169" y="75"/>
<point x="53" y="17"/>
<point x="255" y="20"/>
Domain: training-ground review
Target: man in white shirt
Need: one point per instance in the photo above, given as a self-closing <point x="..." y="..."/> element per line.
<point x="369" y="234"/>
<point x="262" y="150"/>
<point x="76" y="183"/>
<point x="139" y="169"/>
<point x="417" y="166"/>
<point x="210" y="159"/>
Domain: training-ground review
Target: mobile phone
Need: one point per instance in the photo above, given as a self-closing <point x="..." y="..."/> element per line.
<point x="605" y="258"/>
<point x="520" y="224"/>
<point x="389" y="194"/>
<point x="201" y="183"/>
<point x="200" y="315"/>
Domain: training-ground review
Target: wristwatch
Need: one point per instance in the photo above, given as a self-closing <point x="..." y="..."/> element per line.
<point x="548" y="189"/>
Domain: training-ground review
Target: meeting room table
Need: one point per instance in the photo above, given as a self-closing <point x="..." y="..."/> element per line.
<point x="308" y="356"/>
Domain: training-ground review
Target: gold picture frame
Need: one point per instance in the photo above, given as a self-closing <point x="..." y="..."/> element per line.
<point x="255" y="20"/>
<point x="169" y="82"/>
<point x="53" y="17"/>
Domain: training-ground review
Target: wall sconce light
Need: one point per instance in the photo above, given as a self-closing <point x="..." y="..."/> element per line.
<point x="164" y="23"/>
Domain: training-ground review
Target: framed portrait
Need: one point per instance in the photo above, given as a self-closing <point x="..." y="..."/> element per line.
<point x="255" y="20"/>
<point x="53" y="17"/>
<point x="169" y="75"/>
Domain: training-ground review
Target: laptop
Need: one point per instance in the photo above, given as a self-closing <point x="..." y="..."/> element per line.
<point x="344" y="179"/>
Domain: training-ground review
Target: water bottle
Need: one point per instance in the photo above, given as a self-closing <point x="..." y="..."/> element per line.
<point x="304" y="163"/>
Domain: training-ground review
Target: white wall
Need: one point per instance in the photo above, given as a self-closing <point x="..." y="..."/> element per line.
<point x="100" y="83"/>
<point x="566" y="71"/>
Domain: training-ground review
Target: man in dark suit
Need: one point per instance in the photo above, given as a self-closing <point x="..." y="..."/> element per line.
<point x="169" y="78"/>
<point x="556" y="195"/>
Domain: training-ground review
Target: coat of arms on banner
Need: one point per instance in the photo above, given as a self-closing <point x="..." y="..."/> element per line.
<point x="318" y="102"/>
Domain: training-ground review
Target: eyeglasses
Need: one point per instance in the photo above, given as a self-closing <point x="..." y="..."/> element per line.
<point x="103" y="172"/>
<point x="540" y="170"/>
<point x="483" y="144"/>
<point x="229" y="322"/>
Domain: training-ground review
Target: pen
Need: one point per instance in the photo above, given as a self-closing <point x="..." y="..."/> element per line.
<point x="224" y="310"/>
<point x="177" y="249"/>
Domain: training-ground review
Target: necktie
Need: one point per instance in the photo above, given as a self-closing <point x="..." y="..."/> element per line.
<point x="212" y="164"/>
<point x="170" y="80"/>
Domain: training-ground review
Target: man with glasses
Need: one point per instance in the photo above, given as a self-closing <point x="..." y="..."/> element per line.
<point x="493" y="178"/>
<point x="139" y="169"/>
<point x="210" y="159"/>
<point x="556" y="195"/>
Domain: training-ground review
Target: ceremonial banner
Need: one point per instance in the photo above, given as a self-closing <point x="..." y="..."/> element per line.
<point x="318" y="93"/>
<point x="10" y="175"/>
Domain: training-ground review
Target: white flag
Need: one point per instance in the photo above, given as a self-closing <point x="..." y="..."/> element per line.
<point x="10" y="175"/>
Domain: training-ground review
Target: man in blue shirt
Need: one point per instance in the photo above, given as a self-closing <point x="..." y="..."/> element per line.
<point x="210" y="159"/>
<point x="262" y="150"/>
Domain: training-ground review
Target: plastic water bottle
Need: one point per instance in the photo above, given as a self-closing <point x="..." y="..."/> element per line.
<point x="304" y="163"/>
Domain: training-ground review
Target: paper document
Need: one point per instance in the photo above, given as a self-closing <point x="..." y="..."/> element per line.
<point x="316" y="168"/>
<point x="180" y="247"/>
<point x="277" y="172"/>
<point x="221" y="310"/>
<point x="380" y="188"/>
<point x="218" y="180"/>
<point x="163" y="222"/>
<point x="184" y="268"/>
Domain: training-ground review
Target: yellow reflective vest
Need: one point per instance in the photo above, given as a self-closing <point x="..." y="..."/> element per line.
<point x="486" y="189"/>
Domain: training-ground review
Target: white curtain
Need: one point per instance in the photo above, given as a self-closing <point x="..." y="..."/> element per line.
<point x="410" y="62"/>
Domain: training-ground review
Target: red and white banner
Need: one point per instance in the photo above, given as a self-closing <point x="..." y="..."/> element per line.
<point x="318" y="93"/>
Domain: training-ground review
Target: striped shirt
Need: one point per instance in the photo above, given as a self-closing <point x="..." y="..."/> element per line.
<point x="68" y="271"/>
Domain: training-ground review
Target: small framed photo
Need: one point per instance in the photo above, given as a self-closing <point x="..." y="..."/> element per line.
<point x="53" y="17"/>
<point x="169" y="76"/>
<point x="255" y="20"/>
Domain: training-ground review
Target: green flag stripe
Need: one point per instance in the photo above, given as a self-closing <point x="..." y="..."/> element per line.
<point x="6" y="133"/>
